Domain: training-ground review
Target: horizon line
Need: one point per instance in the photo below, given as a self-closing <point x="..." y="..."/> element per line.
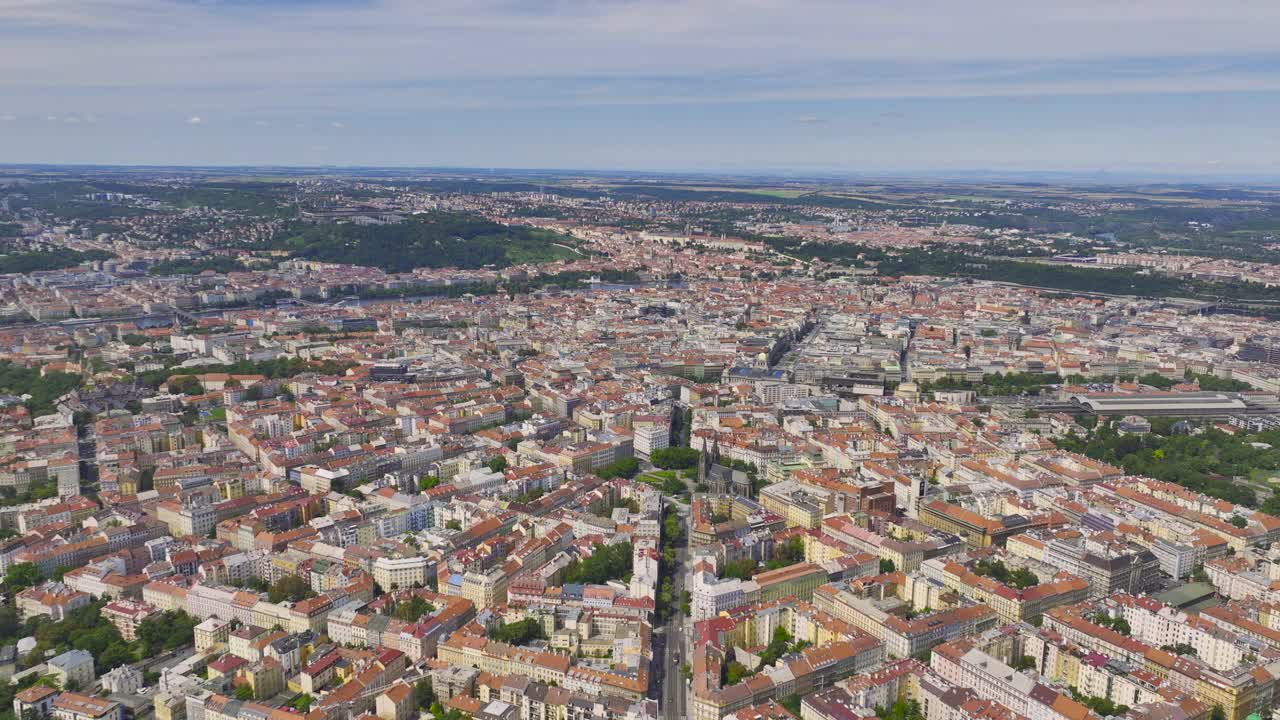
<point x="1102" y="175"/>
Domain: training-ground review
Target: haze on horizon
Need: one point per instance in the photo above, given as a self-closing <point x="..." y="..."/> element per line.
<point x="1177" y="87"/>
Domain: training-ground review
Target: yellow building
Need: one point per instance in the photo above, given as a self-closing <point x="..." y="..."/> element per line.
<point x="266" y="677"/>
<point x="1240" y="695"/>
<point x="485" y="589"/>
<point x="977" y="531"/>
<point x="799" y="580"/>
<point x="799" y="506"/>
<point x="211" y="634"/>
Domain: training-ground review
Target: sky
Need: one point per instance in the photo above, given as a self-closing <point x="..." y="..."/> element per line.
<point x="1181" y="87"/>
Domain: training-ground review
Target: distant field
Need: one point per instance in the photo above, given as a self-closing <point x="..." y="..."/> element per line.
<point x="867" y="198"/>
<point x="767" y="192"/>
<point x="692" y="192"/>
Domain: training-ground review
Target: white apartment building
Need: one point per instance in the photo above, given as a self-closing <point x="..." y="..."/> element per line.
<point x="649" y="438"/>
<point x="391" y="573"/>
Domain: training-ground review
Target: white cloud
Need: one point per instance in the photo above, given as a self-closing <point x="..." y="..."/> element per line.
<point x="6" y="117"/>
<point x="337" y="124"/>
<point x="135" y="61"/>
<point x="260" y="56"/>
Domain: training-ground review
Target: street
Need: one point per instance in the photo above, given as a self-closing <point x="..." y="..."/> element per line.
<point x="673" y="699"/>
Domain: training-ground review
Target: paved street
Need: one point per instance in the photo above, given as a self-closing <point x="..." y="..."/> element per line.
<point x="673" y="696"/>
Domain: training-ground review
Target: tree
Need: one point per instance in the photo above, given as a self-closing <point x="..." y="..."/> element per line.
<point x="631" y="504"/>
<point x="887" y="566"/>
<point x="606" y="562"/>
<point x="22" y="575"/>
<point x="530" y="496"/>
<point x="520" y="632"/>
<point x="1216" y="384"/>
<point x="1100" y="705"/>
<point x="423" y="695"/>
<point x="624" y="468"/>
<point x="1117" y="624"/>
<point x="497" y="464"/>
<point x="1239" y="521"/>
<point x="43" y="389"/>
<point x="86" y="629"/>
<point x="671" y="529"/>
<point x="674" y="458"/>
<point x="1023" y="578"/>
<point x="412" y="609"/>
<point x="170" y="630"/>
<point x="1024" y="662"/>
<point x="116" y="654"/>
<point x="1020" y="578"/>
<point x="453" y="525"/>
<point x="901" y="710"/>
<point x="1087" y="422"/>
<point x="791" y="551"/>
<point x="1158" y="381"/>
<point x="289" y="587"/>
<point x="741" y="569"/>
<point x="426" y="482"/>
<point x="669" y="485"/>
<point x="11" y="628"/>
<point x="777" y="647"/>
<point x="185" y="385"/>
<point x="244" y="692"/>
<point x="436" y="239"/>
<point x="686" y="429"/>
<point x="1204" y="462"/>
<point x="736" y="672"/>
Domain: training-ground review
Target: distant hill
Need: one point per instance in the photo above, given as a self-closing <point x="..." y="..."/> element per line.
<point x="433" y="240"/>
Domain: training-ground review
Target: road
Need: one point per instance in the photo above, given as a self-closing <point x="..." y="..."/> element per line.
<point x="673" y="698"/>
<point x="87" y="447"/>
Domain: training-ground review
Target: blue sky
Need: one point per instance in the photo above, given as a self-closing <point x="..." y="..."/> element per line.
<point x="1178" y="86"/>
